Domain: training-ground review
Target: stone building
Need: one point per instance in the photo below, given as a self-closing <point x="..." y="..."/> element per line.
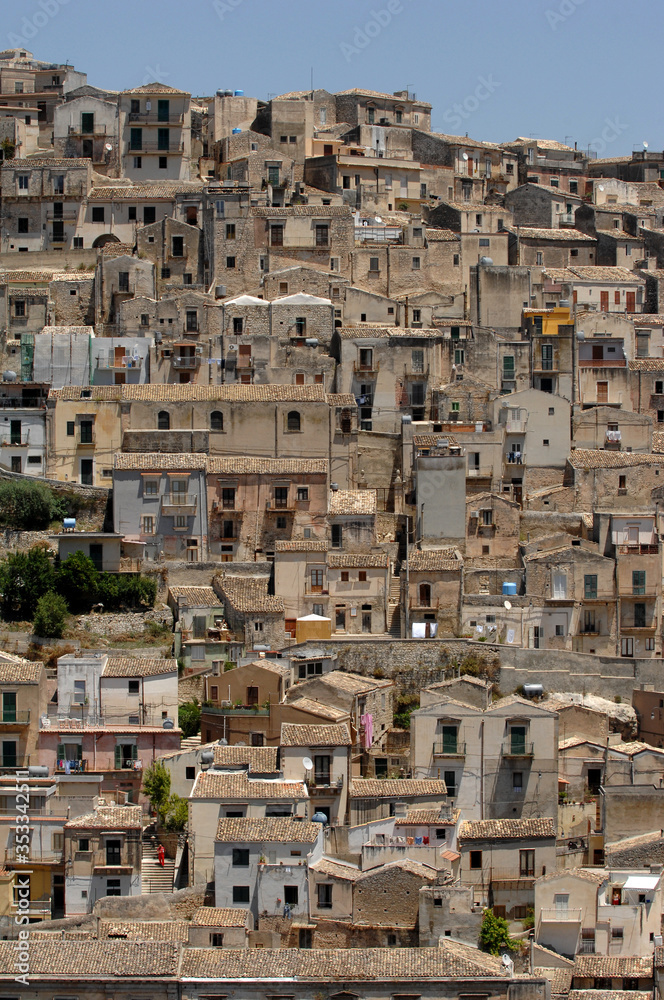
<point x="106" y="850"/>
<point x="155" y="133"/>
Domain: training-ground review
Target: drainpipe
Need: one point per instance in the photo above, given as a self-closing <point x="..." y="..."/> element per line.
<point x="482" y="769"/>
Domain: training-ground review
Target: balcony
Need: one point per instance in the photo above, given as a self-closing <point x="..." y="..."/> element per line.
<point x="52" y="216"/>
<point x="518" y="426"/>
<point x="13" y="855"/>
<point x="366" y="370"/>
<point x="118" y="362"/>
<point x="154" y="118"/>
<point x="298" y="242"/>
<point x="186" y="362"/>
<point x="15" y="718"/>
<point x="22" y="403"/>
<point x="151" y="146"/>
<point x="279" y="506"/>
<point x="39" y="909"/>
<point x="517" y="748"/>
<point x="16" y="440"/>
<point x="559" y="915"/>
<point x="515" y="458"/>
<point x="320" y="784"/>
<point x="637" y="549"/>
<point x="97" y="129"/>
<point x="602" y="363"/>
<point x="456" y="749"/>
<point x="178" y="503"/>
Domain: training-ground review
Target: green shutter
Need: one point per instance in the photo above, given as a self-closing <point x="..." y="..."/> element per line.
<point x="61" y="751"/>
<point x="134" y="752"/>
<point x="118" y="757"/>
<point x="79" y="752"/>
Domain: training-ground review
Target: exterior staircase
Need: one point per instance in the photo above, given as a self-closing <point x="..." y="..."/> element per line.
<point x="394" y="608"/>
<point x="154" y="878"/>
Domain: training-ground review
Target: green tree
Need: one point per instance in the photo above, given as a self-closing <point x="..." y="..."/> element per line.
<point x="189" y="718"/>
<point x="77" y="580"/>
<point x="28" y="505"/>
<point x="177" y="815"/>
<point x="50" y="616"/>
<point x="157" y="787"/>
<point x="494" y="934"/>
<point x="24" y="578"/>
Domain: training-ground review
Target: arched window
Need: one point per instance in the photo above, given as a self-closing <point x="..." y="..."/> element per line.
<point x="216" y="420"/>
<point x="425" y="595"/>
<point x="163" y="420"/>
<point x="293" y="423"/>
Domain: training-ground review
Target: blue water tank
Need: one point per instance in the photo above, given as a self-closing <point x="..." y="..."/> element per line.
<point x="238" y="93"/>
<point x="236" y="131"/>
<point x="509" y="588"/>
<point x="69" y="523"/>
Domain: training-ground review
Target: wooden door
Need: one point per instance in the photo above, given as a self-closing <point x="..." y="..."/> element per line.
<point x="604" y="301"/>
<point x="631" y="302"/>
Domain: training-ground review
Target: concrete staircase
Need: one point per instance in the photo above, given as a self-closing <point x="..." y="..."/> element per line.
<point x="394" y="608"/>
<point x="154" y="878"/>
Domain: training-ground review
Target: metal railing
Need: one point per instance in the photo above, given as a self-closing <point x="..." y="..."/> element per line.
<point x="15" y="718"/>
<point x="554" y="914"/>
<point x="85" y="132"/>
<point x="187" y="361"/>
<point x="179" y="500"/>
<point x="154" y="147"/>
<point x="119" y="363"/>
<point x="517" y="748"/>
<point x="457" y="749"/>
<point x="154" y="118"/>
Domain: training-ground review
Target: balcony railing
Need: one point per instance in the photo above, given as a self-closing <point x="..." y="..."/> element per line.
<point x="515" y="426"/>
<point x="14" y="855"/>
<point x="179" y="503"/>
<point x="187" y="362"/>
<point x="15" y="441"/>
<point x="22" y="403"/>
<point x="154" y="118"/>
<point x="15" y="718"/>
<point x="602" y="363"/>
<point x="636" y="549"/>
<point x="119" y="363"/>
<point x="97" y="129"/>
<point x="366" y="369"/>
<point x="323" y="782"/>
<point x="554" y="914"/>
<point x="40" y="908"/>
<point x="150" y="146"/>
<point x="515" y="458"/>
<point x="517" y="748"/>
<point x="457" y="749"/>
<point x="304" y="242"/>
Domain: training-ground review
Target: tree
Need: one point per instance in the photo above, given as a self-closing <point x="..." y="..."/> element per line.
<point x="24" y="578"/>
<point x="189" y="718"/>
<point x="494" y="934"/>
<point x="77" y="581"/>
<point x="157" y="787"/>
<point x="50" y="616"/>
<point x="177" y="816"/>
<point x="28" y="505"/>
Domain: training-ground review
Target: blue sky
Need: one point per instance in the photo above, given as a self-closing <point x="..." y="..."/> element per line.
<point x="572" y="70"/>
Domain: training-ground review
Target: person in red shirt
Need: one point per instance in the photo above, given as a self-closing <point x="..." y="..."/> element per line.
<point x="161" y="854"/>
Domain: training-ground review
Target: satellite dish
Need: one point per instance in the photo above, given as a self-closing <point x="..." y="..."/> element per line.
<point x="307" y="764"/>
<point x="108" y="147"/>
<point x="645" y="145"/>
<point x="464" y="156"/>
<point x="507" y="605"/>
<point x="378" y="218"/>
<point x="601" y="187"/>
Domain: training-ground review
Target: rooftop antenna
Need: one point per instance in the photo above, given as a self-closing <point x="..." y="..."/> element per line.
<point x="312" y="79"/>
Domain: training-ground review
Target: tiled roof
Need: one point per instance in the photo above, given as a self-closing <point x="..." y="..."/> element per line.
<point x="275" y="666"/>
<point x="507" y="829"/>
<point x="368" y="332"/>
<point x="144" y="930"/>
<point x="195" y="597"/>
<point x="96" y="393"/>
<point x="334" y="965"/>
<point x="610" y="995"/>
<point x="319" y="710"/>
<point x="300" y="545"/>
<point x="560" y="979"/>
<point x="441" y="236"/>
<point x="658" y="442"/>
<point x="20" y="276"/>
<point x="262" y="759"/>
<point x="620" y="274"/>
<point x="540" y="143"/>
<point x="618" y="234"/>
<point x="352" y="683"/>
<point x="293" y="735"/>
<point x="335" y="869"/>
<point x="349" y="560"/>
<point x="235" y="785"/>
<point x="420" y="817"/>
<point x="555" y="235"/>
<point x="598" y="876"/>
<point x="437" y="559"/>
<point x="157" y="461"/>
<point x="317" y="211"/>
<point x="395" y="788"/>
<point x="20" y="671"/>
<point x="142" y="192"/>
<point x="584" y="458"/>
<point x="353" y="502"/>
<point x="138" y="666"/>
<point x="647" y="365"/>
<point x="219" y="916"/>
<point x="361" y="92"/>
<point x="110" y="817"/>
<point x="229" y="392"/>
<point x="267" y="466"/>
<point x="249" y="594"/>
<point x="341" y="399"/>
<point x="404" y="864"/>
<point x="647" y="319"/>
<point x="46" y="161"/>
<point x="156" y="88"/>
<point x="275" y="829"/>
<point x="94" y="960"/>
<point x="633" y="966"/>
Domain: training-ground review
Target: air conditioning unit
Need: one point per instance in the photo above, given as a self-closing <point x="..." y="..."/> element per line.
<point x="199" y="351"/>
<point x="268" y="504"/>
<point x="232" y="347"/>
<point x="215" y="505"/>
<point x="475" y="514"/>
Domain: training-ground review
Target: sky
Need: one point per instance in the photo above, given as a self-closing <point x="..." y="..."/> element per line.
<point x="570" y="70"/>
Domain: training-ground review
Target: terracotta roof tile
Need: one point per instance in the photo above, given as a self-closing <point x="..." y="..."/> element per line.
<point x="20" y="672"/>
<point x="138" y="666"/>
<point x="195" y="597"/>
<point x="317" y="211"/>
<point x="604" y="273"/>
<point x="236" y="785"/>
<point x="293" y="735"/>
<point x="421" y="817"/>
<point x="350" y="560"/>
<point x="94" y="960"/>
<point x="335" y="869"/>
<point x="109" y="817"/>
<point x="267" y="466"/>
<point x="432" y="560"/>
<point x="352" y="502"/>
<point x="262" y="759"/>
<point x="157" y="461"/>
<point x="597" y="966"/>
<point x="219" y="916"/>
<point x="276" y="829"/>
<point x="507" y="829"/>
<point x="425" y="872"/>
<point x="247" y="595"/>
<point x="300" y="545"/>
<point x="584" y="458"/>
<point x="144" y="930"/>
<point x="319" y="710"/>
<point x="555" y="235"/>
<point x="394" y="788"/>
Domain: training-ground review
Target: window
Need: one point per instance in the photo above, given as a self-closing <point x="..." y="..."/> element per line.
<point x="622" y="482"/>
<point x="113" y="887"/>
<point x="337" y="535"/>
<point x="149" y="215"/>
<point x="22" y="225"/>
<point x="192" y="320"/>
<point x="240" y="893"/>
<point x="627" y="646"/>
<point x="292" y="138"/>
<point x="291" y="895"/>
<point x="590" y="587"/>
<point x="163" y="420"/>
<point x="217" y="422"/>
<point x="23" y="182"/>
<point x="123" y="281"/>
<point x="133" y="687"/>
<point x="163" y="162"/>
<point x="416" y="263"/>
<point x="325" y="896"/>
<point x="526" y="863"/>
<point x="240" y="857"/>
<point x="293" y="422"/>
<point x="638" y="581"/>
<point x="517" y="781"/>
<point x="138" y="162"/>
<point x="86" y="431"/>
<point x="177" y="246"/>
<point x="374" y="263"/>
<point x="475" y="860"/>
<point x="230" y="263"/>
<point x="78" y="243"/>
<point x="230" y="230"/>
<point x="97" y="213"/>
<point x="19" y="307"/>
<point x="459" y="356"/>
<point x="362" y="576"/>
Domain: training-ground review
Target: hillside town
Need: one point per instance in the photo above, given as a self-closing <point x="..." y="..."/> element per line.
<point x="331" y="579"/>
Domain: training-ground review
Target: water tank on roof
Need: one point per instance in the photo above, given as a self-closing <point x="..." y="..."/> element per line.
<point x="167" y="724"/>
<point x="37" y="771"/>
<point x="486" y="261"/>
<point x="69" y="523"/>
<point x="509" y="588"/>
<point x="238" y="93"/>
<point x="406" y="418"/>
<point x="235" y="131"/>
<point x="207" y="757"/>
<point x="533" y="690"/>
<point x="228" y="93"/>
<point x="319" y="817"/>
<point x="9" y="376"/>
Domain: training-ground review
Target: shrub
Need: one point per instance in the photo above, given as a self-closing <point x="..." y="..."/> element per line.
<point x="403" y="708"/>
<point x="177" y="815"/>
<point x="26" y="505"/>
<point x="77" y="580"/>
<point x="50" y="616"/>
<point x="24" y="578"/>
<point x="157" y="787"/>
<point x="189" y="718"/>
<point x="126" y="591"/>
<point x="494" y="934"/>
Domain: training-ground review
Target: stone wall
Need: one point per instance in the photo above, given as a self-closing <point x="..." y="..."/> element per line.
<point x="113" y="625"/>
<point x="637" y="852"/>
<point x="190" y="688"/>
